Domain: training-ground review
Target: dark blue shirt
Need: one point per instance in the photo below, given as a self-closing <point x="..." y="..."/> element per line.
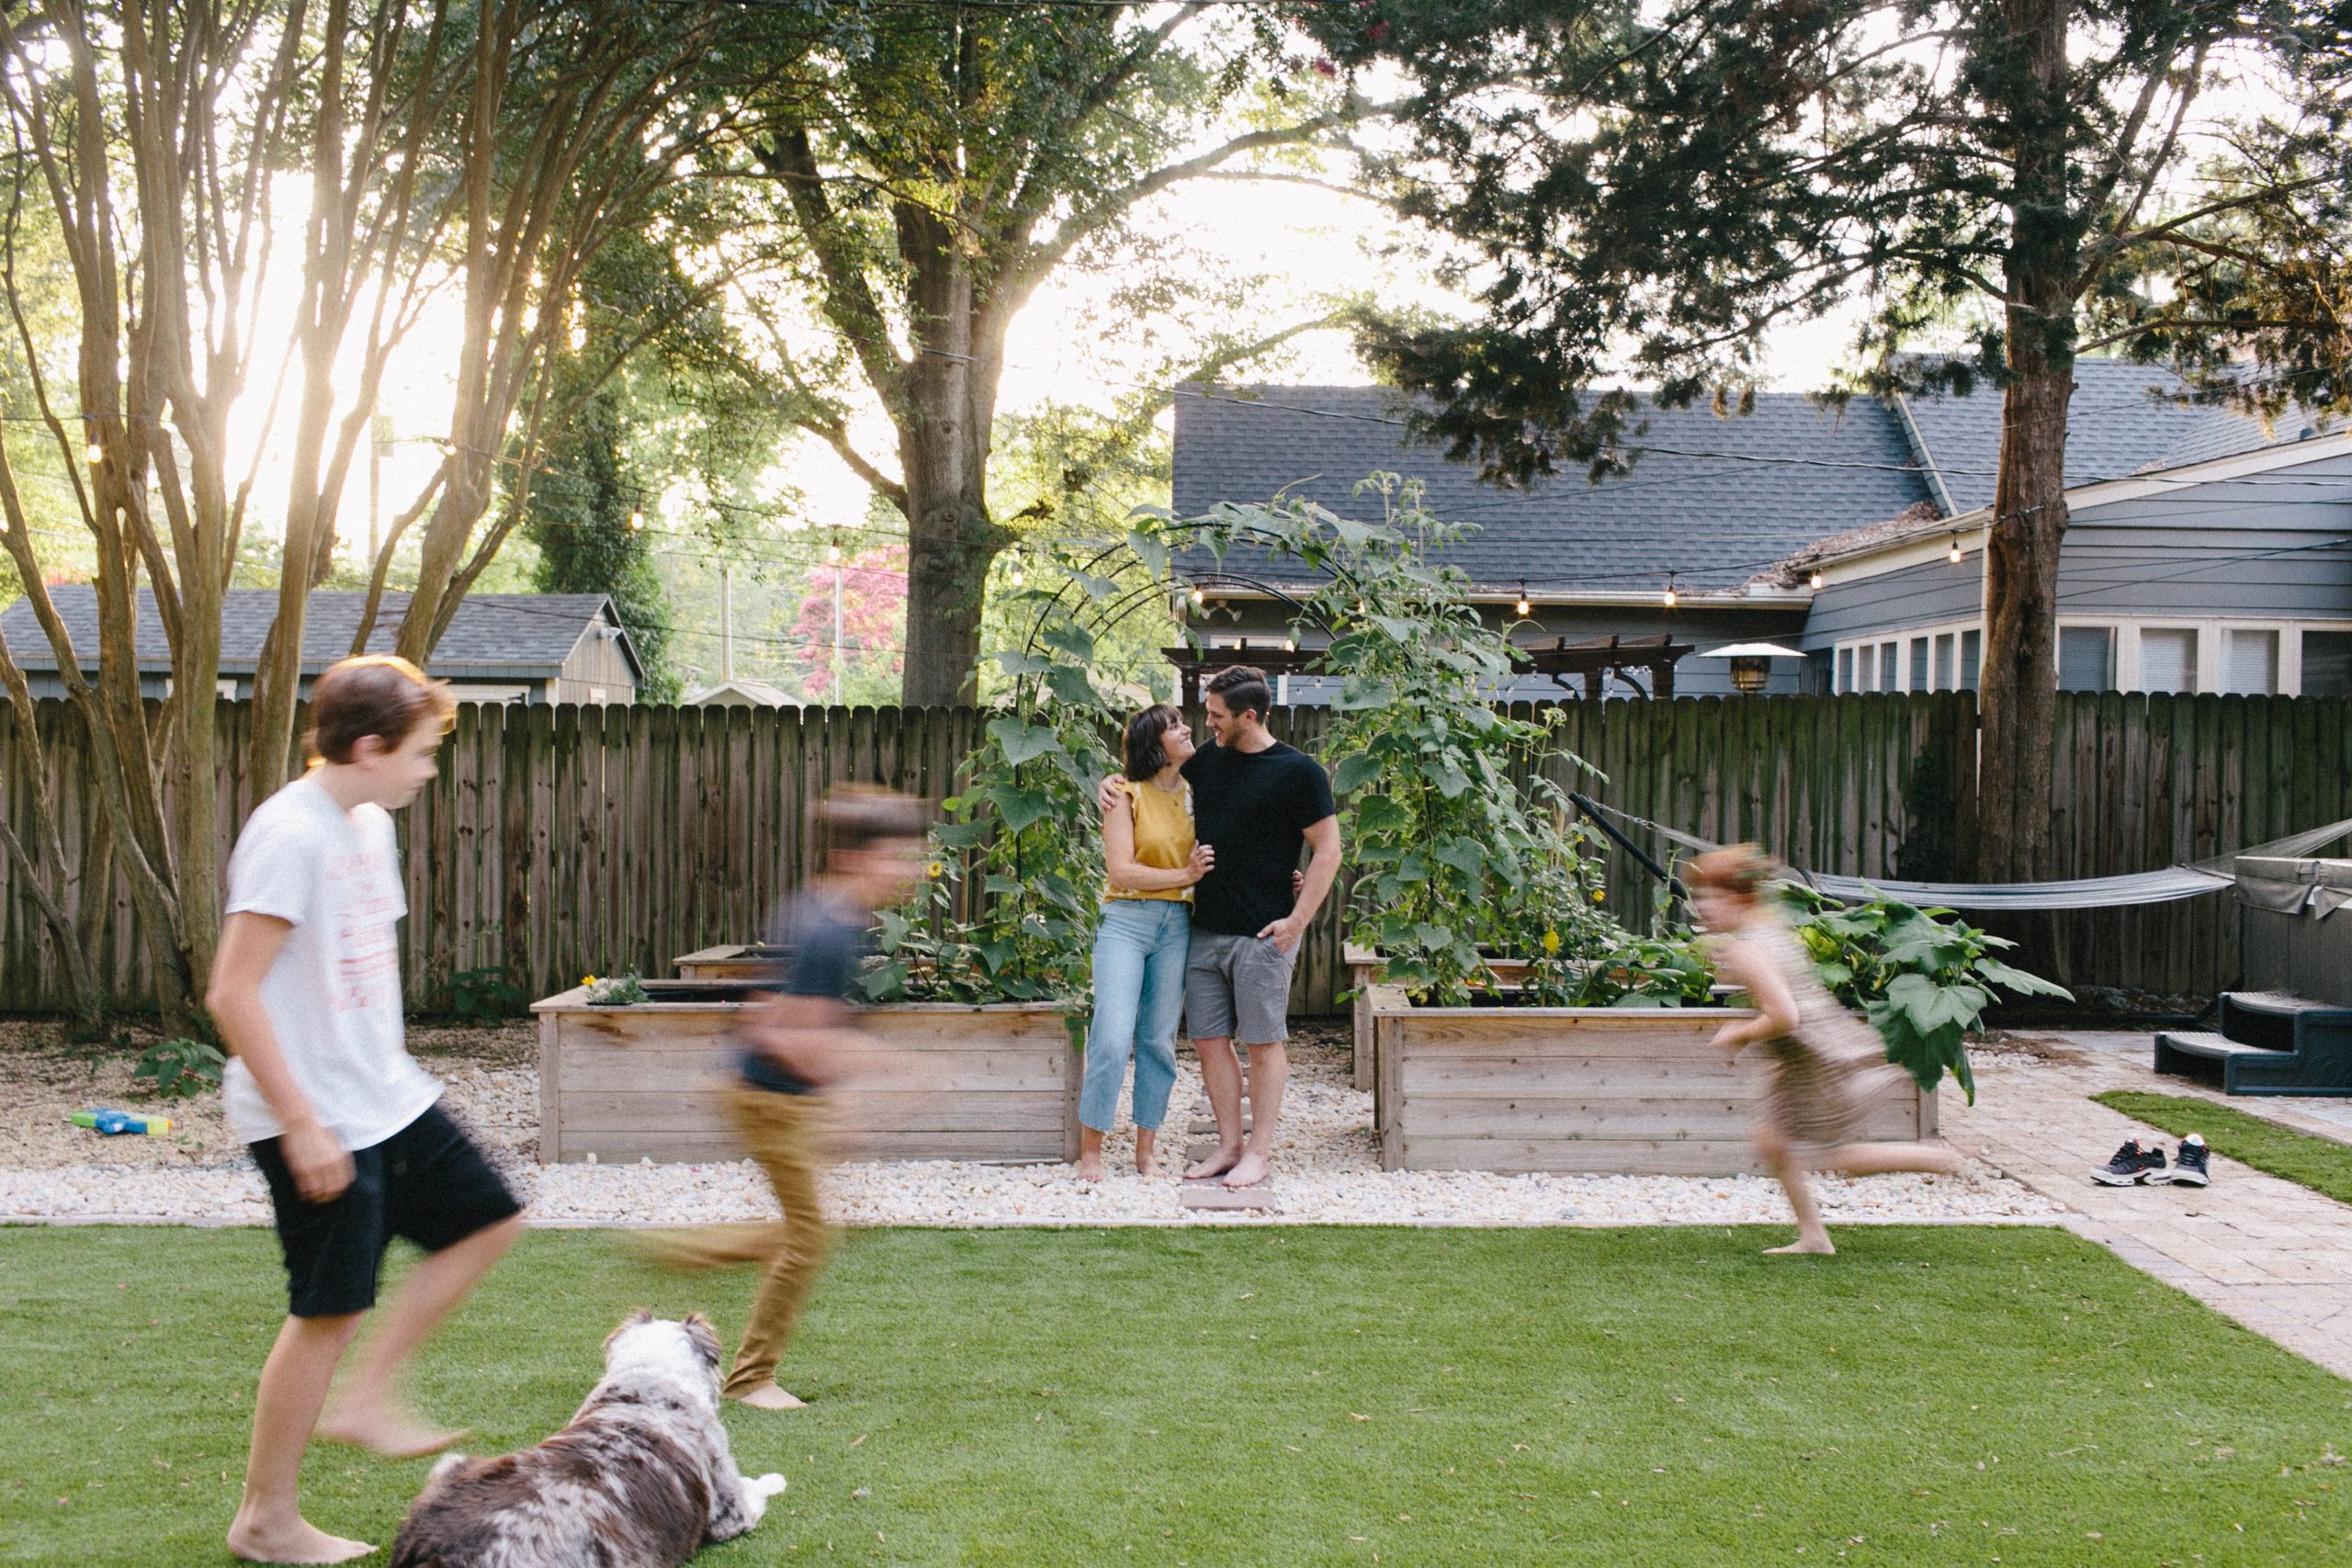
<point x="821" y="940"/>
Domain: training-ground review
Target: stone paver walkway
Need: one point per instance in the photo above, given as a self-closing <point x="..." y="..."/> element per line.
<point x="2275" y="1255"/>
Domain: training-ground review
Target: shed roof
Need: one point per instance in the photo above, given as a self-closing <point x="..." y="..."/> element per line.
<point x="491" y="634"/>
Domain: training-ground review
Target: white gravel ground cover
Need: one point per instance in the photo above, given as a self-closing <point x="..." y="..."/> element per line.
<point x="1327" y="1172"/>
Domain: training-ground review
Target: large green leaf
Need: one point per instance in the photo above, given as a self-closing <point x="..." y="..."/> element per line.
<point x="1021" y="741"/>
<point x="1020" y="808"/>
<point x="1356" y="772"/>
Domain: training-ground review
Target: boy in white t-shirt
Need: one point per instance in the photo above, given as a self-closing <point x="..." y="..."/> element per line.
<point x="306" y="991"/>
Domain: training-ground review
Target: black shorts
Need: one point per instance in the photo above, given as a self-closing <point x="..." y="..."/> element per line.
<point x="428" y="1183"/>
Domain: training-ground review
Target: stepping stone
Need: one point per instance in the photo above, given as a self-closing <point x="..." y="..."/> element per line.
<point x="1215" y="1195"/>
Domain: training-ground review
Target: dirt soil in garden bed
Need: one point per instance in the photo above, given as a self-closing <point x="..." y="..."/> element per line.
<point x="45" y="1078"/>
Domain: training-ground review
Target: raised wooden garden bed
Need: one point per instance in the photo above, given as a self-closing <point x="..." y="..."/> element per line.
<point x="943" y="1080"/>
<point x="731" y="961"/>
<point x="1630" y="1090"/>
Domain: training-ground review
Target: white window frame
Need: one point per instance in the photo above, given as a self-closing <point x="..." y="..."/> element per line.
<point x="2212" y="638"/>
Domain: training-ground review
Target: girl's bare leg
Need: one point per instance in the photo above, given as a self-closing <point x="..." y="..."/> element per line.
<point x="1877" y="1159"/>
<point x="1146" y="1147"/>
<point x="1788" y="1170"/>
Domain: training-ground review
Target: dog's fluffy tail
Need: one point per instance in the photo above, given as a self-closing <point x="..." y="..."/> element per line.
<point x="443" y="1466"/>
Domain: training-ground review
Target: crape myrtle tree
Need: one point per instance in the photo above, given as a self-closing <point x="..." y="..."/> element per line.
<point x="480" y="149"/>
<point x="1654" y="186"/>
<point x="933" y="164"/>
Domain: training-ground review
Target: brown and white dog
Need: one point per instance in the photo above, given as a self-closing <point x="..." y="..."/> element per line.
<point x="641" y="1478"/>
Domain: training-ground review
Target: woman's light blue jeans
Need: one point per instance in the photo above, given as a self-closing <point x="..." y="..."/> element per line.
<point x="1138" y="996"/>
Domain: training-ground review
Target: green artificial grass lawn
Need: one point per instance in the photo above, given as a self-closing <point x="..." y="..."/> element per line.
<point x="1632" y="1398"/>
<point x="2321" y="1164"/>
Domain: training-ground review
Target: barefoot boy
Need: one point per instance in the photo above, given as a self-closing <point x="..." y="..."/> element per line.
<point x="306" y="989"/>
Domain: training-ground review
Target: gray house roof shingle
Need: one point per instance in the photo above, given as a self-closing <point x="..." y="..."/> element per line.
<point x="1712" y="498"/>
<point x="2123" y="419"/>
<point x="492" y="635"/>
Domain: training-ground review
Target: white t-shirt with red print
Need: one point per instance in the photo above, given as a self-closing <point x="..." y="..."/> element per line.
<point x="333" y="995"/>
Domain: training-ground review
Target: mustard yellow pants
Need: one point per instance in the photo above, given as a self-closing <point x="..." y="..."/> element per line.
<point x="785" y="1132"/>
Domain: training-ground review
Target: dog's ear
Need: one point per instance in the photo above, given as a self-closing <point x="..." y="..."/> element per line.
<point x="705" y="1337"/>
<point x="640" y="1317"/>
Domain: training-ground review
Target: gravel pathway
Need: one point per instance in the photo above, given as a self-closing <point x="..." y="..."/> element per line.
<point x="1327" y="1172"/>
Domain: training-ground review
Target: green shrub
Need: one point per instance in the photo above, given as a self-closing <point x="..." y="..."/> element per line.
<point x="181" y="1069"/>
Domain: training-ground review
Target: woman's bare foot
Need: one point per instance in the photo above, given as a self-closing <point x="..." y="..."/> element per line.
<point x="1249" y="1170"/>
<point x="768" y="1396"/>
<point x="1216" y="1164"/>
<point x="1803" y="1246"/>
<point x="1090" y="1165"/>
<point x="297" y="1542"/>
<point x="393" y="1433"/>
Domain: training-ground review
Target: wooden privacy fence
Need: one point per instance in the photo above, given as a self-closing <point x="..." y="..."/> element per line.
<point x="564" y="840"/>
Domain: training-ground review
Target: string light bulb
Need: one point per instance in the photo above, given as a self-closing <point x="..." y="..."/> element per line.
<point x="1014" y="576"/>
<point x="1953" y="555"/>
<point x="1290" y="645"/>
<point x="1199" y="598"/>
<point x="1522" y="606"/>
<point x="1670" y="594"/>
<point x="637" y="520"/>
<point x="833" y="555"/>
<point x="1816" y="578"/>
<point x="98" y="453"/>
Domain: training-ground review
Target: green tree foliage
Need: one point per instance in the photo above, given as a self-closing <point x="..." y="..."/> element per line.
<point x="1655" y="188"/>
<point x="929" y="167"/>
<point x="587" y="519"/>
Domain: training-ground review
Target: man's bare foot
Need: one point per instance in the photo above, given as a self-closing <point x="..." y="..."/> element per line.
<point x="299" y="1542"/>
<point x="1090" y="1166"/>
<point x="392" y="1433"/>
<point x="768" y="1396"/>
<point x="1216" y="1164"/>
<point x="1146" y="1168"/>
<point x="1249" y="1170"/>
<point x="1821" y="1248"/>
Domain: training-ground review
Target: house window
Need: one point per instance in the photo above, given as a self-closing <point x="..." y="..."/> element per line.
<point x="2087" y="659"/>
<point x="2327" y="664"/>
<point x="1866" y="669"/>
<point x="1814" y="681"/>
<point x="2168" y="659"/>
<point x="1971" y="649"/>
<point x="2250" y="662"/>
<point x="1943" y="662"/>
<point x="1888" y="678"/>
<point x="1846" y="667"/>
<point x="1918" y="664"/>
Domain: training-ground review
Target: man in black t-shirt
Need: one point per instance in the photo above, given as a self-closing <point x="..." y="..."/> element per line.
<point x="1254" y="801"/>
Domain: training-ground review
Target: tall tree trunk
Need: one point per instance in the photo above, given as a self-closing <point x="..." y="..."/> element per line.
<point x="2018" y="680"/>
<point x="945" y="429"/>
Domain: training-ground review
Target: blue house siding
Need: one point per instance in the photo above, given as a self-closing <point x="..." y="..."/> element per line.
<point x="2257" y="547"/>
<point x="1893" y="601"/>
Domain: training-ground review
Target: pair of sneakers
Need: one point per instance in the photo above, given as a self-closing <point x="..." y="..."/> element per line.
<point x="2133" y="1164"/>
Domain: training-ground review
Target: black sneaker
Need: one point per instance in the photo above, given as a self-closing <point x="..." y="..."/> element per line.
<point x="2131" y="1165"/>
<point x="2188" y="1165"/>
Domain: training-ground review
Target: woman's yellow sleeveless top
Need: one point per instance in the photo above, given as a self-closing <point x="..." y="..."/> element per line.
<point x="1163" y="838"/>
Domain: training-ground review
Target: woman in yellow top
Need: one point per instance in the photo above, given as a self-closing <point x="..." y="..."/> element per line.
<point x="1147" y="930"/>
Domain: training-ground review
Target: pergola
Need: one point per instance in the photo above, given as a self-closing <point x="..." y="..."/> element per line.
<point x="1592" y="662"/>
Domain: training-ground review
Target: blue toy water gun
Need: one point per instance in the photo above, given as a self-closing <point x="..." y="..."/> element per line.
<point x="113" y="1121"/>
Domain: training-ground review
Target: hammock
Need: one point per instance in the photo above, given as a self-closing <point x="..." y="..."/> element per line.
<point x="2186" y="880"/>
